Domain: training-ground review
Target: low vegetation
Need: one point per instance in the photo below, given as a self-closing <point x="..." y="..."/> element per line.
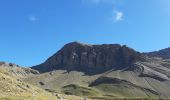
<point x="12" y="88"/>
<point x="73" y="89"/>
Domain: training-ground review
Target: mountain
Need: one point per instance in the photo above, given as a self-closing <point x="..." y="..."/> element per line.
<point x="106" y="72"/>
<point x="164" y="53"/>
<point x="90" y="59"/>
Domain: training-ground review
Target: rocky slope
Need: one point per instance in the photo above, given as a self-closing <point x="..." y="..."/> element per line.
<point x="91" y="59"/>
<point x="16" y="70"/>
<point x="164" y="53"/>
<point x="13" y="88"/>
<point x="105" y="71"/>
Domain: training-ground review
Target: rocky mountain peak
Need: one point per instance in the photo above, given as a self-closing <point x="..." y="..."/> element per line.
<point x="75" y="43"/>
<point x="90" y="58"/>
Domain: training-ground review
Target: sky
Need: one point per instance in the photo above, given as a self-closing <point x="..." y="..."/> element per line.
<point x="33" y="30"/>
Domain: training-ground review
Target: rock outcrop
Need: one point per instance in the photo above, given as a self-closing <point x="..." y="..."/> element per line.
<point x="16" y="70"/>
<point x="91" y="58"/>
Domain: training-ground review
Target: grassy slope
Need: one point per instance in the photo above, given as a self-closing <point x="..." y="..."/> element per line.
<point x="12" y="88"/>
<point x="56" y="80"/>
<point x="123" y="89"/>
<point x="59" y="79"/>
<point x="73" y="89"/>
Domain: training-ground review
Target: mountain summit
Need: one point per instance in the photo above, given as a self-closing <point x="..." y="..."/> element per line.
<point x="90" y="58"/>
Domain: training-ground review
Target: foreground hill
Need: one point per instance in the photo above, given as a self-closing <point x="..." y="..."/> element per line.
<point x="17" y="71"/>
<point x="13" y="88"/>
<point x="105" y="71"/>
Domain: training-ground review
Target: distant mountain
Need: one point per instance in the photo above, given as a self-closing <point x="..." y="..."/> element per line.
<point x="91" y="59"/>
<point x="164" y="53"/>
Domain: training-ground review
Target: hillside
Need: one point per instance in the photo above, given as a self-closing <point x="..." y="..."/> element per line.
<point x="16" y="70"/>
<point x="13" y="88"/>
<point x="103" y="71"/>
<point x="148" y="83"/>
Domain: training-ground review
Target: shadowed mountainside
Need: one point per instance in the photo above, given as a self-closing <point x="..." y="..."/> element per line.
<point x="91" y="59"/>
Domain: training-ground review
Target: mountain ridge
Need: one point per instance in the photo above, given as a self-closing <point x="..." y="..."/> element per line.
<point x="96" y="58"/>
<point x="163" y="53"/>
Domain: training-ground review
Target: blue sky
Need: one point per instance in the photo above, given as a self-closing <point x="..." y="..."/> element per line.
<point x="33" y="30"/>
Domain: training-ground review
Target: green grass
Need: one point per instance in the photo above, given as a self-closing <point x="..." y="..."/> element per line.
<point x="111" y="98"/>
<point x="123" y="90"/>
<point x="113" y="90"/>
<point x="79" y="90"/>
<point x="113" y="87"/>
<point x="13" y="89"/>
<point x="5" y="99"/>
<point x="40" y="96"/>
